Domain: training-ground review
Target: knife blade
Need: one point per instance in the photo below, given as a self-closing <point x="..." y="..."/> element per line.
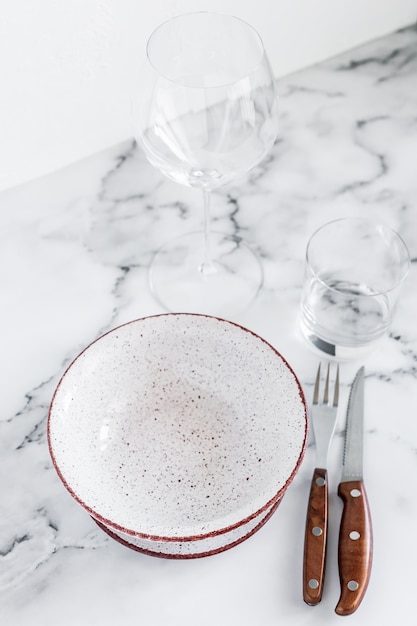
<point x="355" y="535"/>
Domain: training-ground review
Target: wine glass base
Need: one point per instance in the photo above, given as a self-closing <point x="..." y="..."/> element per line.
<point x="182" y="284"/>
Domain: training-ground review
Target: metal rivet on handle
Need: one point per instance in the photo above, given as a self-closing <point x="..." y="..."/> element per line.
<point x="313" y="583"/>
<point x="352" y="585"/>
<point x="320" y="481"/>
<point x="355" y="493"/>
<point x="354" y="535"/>
<point x="317" y="531"/>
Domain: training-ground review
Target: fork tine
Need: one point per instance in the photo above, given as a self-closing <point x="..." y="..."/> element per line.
<point x="317" y="386"/>
<point x="336" y="388"/>
<point x="326" y="388"/>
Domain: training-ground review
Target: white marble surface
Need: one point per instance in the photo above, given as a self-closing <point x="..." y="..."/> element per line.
<point x="74" y="250"/>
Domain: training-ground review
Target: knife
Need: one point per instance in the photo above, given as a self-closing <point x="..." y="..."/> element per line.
<point x="355" y="536"/>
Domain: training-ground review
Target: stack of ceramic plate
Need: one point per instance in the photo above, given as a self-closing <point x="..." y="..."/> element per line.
<point x="178" y="433"/>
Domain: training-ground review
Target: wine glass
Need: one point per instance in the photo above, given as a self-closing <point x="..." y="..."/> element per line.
<point x="205" y="113"/>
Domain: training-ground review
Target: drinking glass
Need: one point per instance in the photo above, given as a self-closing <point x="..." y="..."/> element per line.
<point x="205" y="113"/>
<point x="354" y="271"/>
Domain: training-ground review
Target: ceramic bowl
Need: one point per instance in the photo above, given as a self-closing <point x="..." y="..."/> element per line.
<point x="178" y="429"/>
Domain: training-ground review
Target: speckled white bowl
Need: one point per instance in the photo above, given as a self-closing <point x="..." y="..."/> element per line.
<point x="178" y="428"/>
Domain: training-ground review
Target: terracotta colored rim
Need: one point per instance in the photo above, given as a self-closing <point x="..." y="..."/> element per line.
<point x="102" y="521"/>
<point x="194" y="555"/>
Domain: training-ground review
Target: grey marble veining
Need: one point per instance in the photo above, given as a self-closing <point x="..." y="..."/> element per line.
<point x="74" y="252"/>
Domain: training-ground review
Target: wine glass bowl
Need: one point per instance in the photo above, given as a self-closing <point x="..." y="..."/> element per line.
<point x="205" y="114"/>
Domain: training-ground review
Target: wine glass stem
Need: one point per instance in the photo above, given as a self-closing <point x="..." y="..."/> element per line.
<point x="208" y="266"/>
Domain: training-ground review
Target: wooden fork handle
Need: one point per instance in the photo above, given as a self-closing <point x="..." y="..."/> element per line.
<point x="315" y="539"/>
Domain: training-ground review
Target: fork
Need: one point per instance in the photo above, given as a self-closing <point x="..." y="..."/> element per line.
<point x="324" y="417"/>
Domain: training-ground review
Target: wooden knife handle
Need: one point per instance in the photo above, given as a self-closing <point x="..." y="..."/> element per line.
<point x="355" y="546"/>
<point x="315" y="538"/>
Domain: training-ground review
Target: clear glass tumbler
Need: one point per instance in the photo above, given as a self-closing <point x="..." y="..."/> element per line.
<point x="354" y="270"/>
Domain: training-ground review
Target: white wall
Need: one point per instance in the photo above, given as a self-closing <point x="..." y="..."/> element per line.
<point x="67" y="66"/>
